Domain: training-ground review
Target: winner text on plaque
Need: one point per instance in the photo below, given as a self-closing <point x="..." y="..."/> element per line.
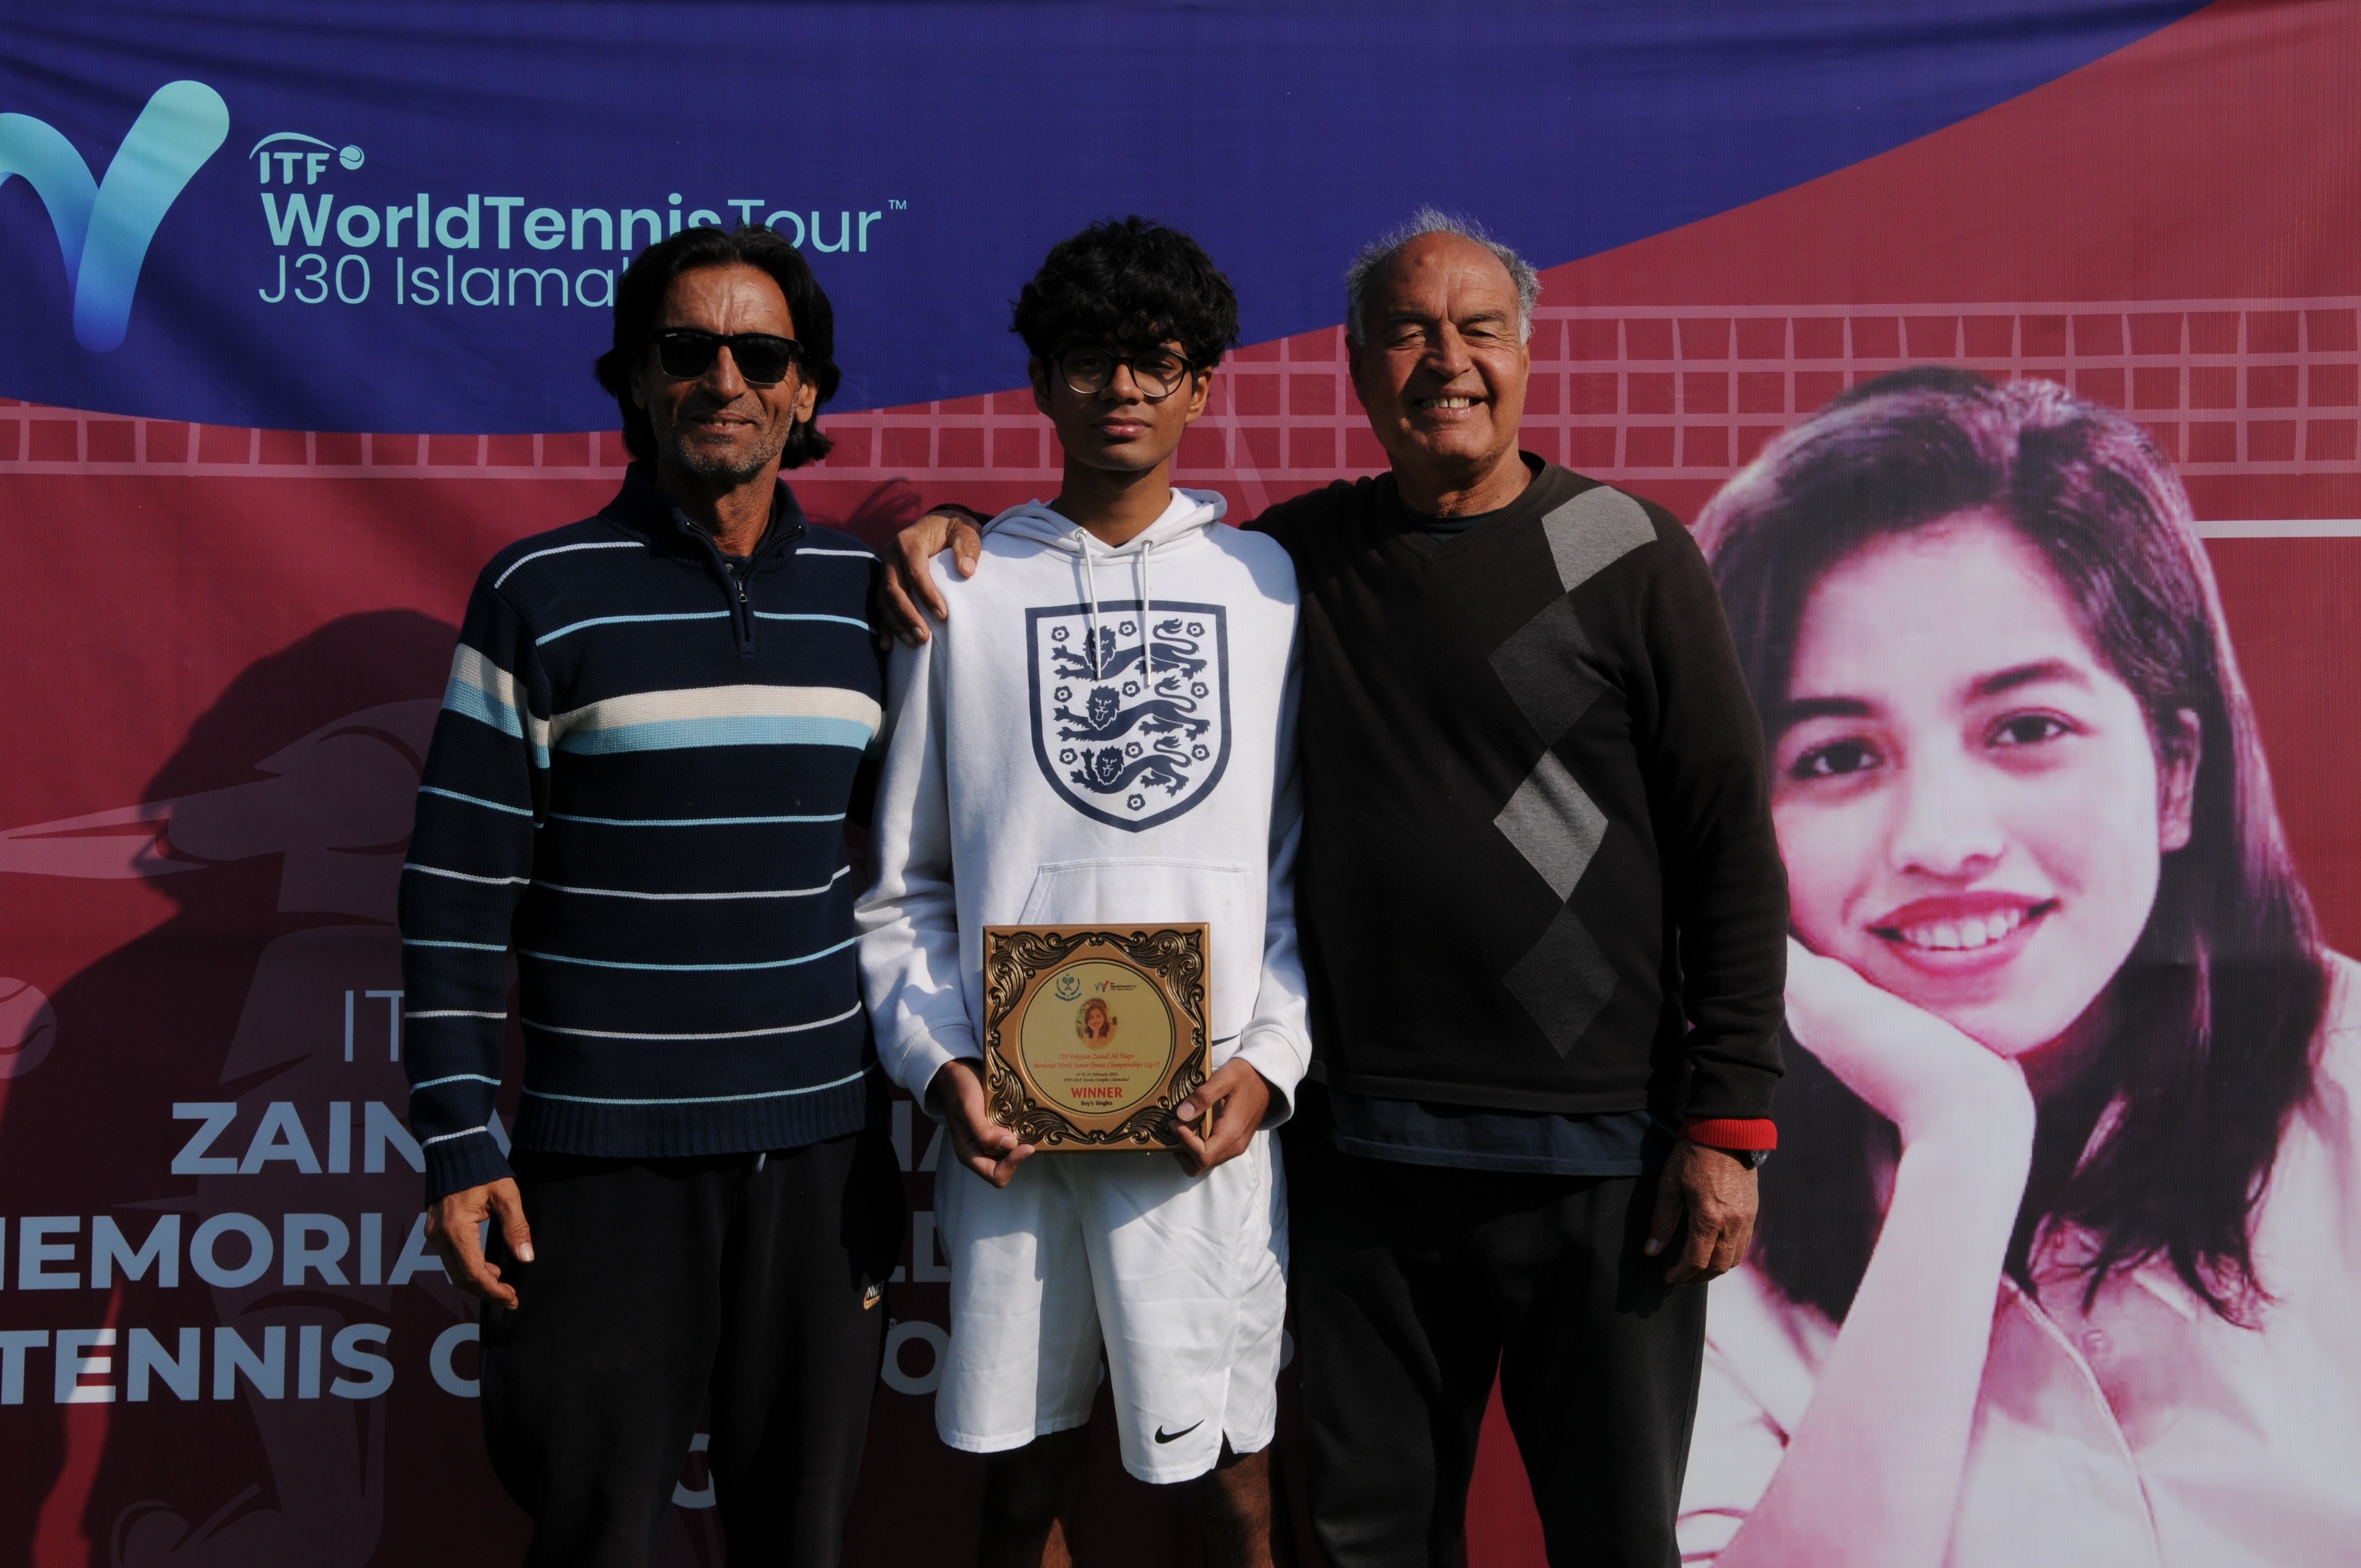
<point x="1092" y="1034"/>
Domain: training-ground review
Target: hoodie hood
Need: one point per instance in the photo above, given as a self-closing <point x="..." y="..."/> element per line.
<point x="1183" y="522"/>
<point x="1181" y="529"/>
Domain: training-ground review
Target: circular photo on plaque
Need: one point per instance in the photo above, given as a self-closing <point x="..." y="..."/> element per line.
<point x="1103" y="1044"/>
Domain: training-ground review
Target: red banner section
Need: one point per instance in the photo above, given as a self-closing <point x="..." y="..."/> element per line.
<point x="221" y="1338"/>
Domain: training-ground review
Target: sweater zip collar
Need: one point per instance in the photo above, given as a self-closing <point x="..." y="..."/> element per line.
<point x="737" y="575"/>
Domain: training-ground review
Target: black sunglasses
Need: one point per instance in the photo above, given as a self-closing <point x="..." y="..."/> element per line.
<point x="763" y="359"/>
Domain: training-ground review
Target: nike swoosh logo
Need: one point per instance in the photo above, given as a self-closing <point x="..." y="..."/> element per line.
<point x="1163" y="1436"/>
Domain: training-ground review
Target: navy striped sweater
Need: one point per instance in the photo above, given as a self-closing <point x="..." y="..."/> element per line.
<point x="638" y="787"/>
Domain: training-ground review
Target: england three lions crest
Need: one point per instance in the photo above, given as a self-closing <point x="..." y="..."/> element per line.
<point x="1131" y="721"/>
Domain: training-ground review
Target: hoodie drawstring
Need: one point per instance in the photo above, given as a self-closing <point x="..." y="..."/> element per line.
<point x="1146" y="578"/>
<point x="1091" y="579"/>
<point x="1146" y="614"/>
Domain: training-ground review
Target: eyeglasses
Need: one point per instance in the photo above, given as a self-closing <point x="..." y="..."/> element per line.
<point x="1157" y="372"/>
<point x="763" y="359"/>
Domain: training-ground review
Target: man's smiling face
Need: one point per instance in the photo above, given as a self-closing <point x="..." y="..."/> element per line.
<point x="1443" y="369"/>
<point x="719" y="427"/>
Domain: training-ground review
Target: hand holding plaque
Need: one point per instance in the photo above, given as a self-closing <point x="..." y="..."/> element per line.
<point x="1092" y="1034"/>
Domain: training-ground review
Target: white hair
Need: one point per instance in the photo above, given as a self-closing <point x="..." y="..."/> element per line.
<point x="1427" y="221"/>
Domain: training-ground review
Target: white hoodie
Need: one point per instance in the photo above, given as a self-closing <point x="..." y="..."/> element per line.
<point x="1049" y="762"/>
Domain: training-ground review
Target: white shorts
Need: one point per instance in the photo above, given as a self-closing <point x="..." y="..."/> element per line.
<point x="1183" y="1279"/>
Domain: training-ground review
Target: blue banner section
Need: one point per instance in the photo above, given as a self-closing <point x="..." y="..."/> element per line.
<point x="339" y="218"/>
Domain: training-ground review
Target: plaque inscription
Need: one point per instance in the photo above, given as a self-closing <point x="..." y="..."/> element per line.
<point x="1092" y="1034"/>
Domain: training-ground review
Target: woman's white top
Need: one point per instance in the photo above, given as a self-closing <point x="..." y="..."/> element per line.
<point x="2144" y="1430"/>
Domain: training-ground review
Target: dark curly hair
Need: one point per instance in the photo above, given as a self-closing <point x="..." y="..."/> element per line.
<point x="1133" y="283"/>
<point x="640" y="294"/>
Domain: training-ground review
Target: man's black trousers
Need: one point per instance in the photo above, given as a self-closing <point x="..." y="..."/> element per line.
<point x="1413" y="1285"/>
<point x="656" y="1283"/>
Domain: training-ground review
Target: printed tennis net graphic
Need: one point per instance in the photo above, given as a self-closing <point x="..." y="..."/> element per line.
<point x="1624" y="393"/>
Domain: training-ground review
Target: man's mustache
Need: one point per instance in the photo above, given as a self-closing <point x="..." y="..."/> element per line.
<point x="695" y="409"/>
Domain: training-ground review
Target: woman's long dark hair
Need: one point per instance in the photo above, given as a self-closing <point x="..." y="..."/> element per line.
<point x="2210" y="1022"/>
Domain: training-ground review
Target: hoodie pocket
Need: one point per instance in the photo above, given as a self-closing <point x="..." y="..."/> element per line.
<point x="1227" y="898"/>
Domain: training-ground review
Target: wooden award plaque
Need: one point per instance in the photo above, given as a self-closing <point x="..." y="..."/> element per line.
<point x="1092" y="1034"/>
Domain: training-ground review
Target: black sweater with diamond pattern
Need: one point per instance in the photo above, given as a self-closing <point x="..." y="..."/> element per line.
<point x="1538" y="869"/>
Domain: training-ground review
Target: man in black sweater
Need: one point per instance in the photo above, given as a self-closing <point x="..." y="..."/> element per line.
<point x="1543" y="920"/>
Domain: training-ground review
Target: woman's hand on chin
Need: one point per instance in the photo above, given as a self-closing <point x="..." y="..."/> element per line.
<point x="1872" y="1475"/>
<point x="1927" y="1077"/>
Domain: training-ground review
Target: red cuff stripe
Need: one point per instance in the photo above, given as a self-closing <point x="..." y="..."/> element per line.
<point x="1732" y="1133"/>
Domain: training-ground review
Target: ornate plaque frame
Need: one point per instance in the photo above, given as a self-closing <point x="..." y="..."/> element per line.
<point x="1019" y="961"/>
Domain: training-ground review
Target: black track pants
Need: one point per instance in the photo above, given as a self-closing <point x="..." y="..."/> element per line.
<point x="1412" y="1284"/>
<point x="656" y="1282"/>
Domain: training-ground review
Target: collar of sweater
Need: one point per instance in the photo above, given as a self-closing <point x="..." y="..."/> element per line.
<point x="644" y="510"/>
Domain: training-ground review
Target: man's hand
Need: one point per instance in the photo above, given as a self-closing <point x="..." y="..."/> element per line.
<point x="1232" y="1102"/>
<point x="1715" y="1191"/>
<point x="909" y="571"/>
<point x="990" y="1151"/>
<point x="451" y="1229"/>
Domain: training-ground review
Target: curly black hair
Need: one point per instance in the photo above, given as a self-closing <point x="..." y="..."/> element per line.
<point x="639" y="295"/>
<point x="1132" y="283"/>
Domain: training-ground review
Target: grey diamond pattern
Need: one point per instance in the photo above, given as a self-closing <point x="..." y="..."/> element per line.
<point x="1564" y="978"/>
<point x="1593" y="531"/>
<point x="1553" y="824"/>
<point x="1546" y="667"/>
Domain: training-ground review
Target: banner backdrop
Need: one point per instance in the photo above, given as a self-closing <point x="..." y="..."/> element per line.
<point x="297" y="309"/>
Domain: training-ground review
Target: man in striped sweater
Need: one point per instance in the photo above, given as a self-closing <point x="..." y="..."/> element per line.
<point x="638" y="787"/>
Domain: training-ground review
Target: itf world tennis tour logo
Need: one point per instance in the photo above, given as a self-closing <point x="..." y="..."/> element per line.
<point x="103" y="226"/>
<point x="347" y="244"/>
<point x="1131" y="712"/>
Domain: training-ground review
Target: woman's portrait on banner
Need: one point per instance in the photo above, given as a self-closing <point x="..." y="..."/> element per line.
<point x="2058" y="1258"/>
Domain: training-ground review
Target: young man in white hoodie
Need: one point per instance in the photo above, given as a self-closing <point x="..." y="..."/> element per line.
<point x="1105" y="734"/>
